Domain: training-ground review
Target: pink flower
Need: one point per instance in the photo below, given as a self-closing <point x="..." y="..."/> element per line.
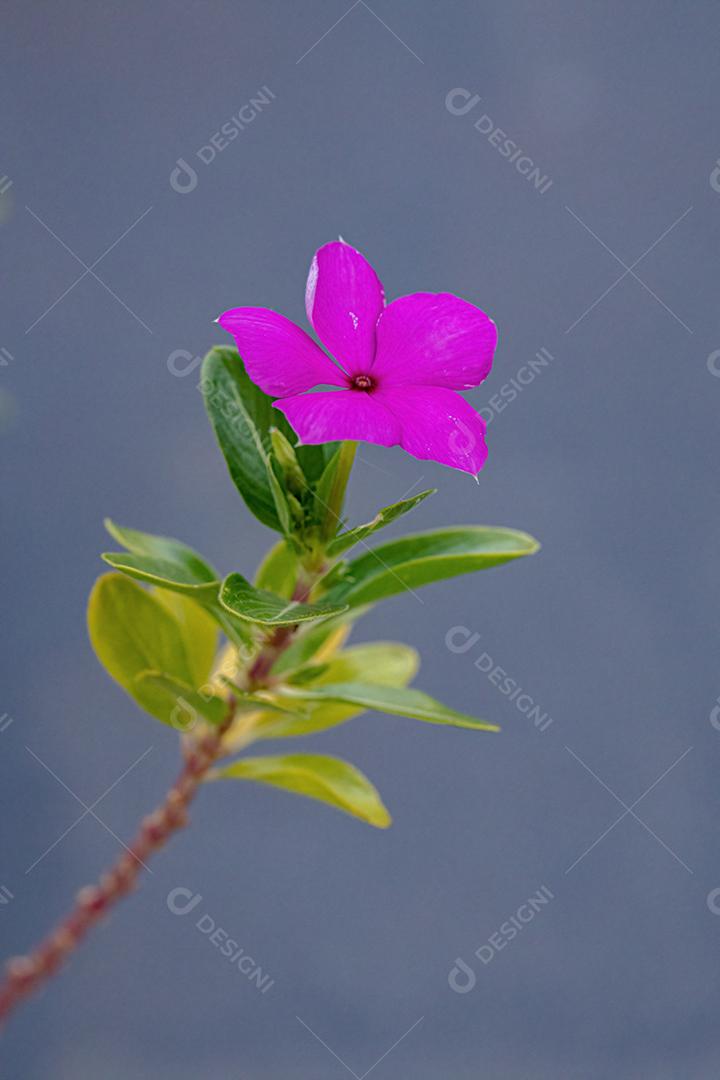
<point x="398" y="367"/>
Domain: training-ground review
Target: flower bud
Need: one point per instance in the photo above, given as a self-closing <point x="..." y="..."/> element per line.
<point x="288" y="462"/>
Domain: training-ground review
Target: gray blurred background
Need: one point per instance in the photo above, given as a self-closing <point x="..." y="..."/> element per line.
<point x="608" y="455"/>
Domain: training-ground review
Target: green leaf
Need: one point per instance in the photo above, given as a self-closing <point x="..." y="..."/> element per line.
<point x="397" y="701"/>
<point x="384" y="517"/>
<point x="385" y="663"/>
<point x="199" y="631"/>
<point x="278" y="571"/>
<point x="308" y="674"/>
<point x="162" y="561"/>
<point x="242" y="599"/>
<point x="250" y="700"/>
<point x="280" y="498"/>
<point x="186" y="704"/>
<point x="290" y="723"/>
<point x="324" y="484"/>
<point x="132" y="632"/>
<point x="259" y="406"/>
<point x="313" y="459"/>
<point x="241" y="415"/>
<point x="170" y="565"/>
<point x="160" y="547"/>
<point x="328" y="779"/>
<point x="406" y="564"/>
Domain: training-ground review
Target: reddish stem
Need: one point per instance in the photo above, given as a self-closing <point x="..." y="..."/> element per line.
<point x="276" y="641"/>
<point x="25" y="974"/>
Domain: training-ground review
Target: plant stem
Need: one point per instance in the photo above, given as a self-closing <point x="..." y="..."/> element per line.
<point x="336" y="497"/>
<point x="278" y="640"/>
<point x="25" y="974"/>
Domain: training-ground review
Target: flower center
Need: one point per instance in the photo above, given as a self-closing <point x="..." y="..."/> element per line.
<point x="362" y="382"/>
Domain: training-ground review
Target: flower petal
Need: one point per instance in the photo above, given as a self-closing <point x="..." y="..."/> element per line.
<point x="278" y="356"/>
<point x="434" y="339"/>
<point x="335" y="415"/>
<point x="437" y="424"/>
<point x="343" y="299"/>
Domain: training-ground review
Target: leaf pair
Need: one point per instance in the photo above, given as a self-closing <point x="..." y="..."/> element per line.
<point x="330" y="694"/>
<point x="234" y="602"/>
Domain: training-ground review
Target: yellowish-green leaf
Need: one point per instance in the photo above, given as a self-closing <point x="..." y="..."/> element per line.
<point x="278" y="571"/>
<point x="132" y="632"/>
<point x="386" y="663"/>
<point x="397" y="701"/>
<point x="199" y="631"/>
<point x="328" y="779"/>
<point x="187" y="704"/>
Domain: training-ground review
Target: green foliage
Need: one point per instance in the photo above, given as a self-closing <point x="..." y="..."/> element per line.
<point x="406" y="564"/>
<point x="187" y="704"/>
<point x="241" y="598"/>
<point x="387" y="663"/>
<point x="328" y="779"/>
<point x="131" y="633"/>
<point x="199" y="631"/>
<point x="156" y="625"/>
<point x="384" y="663"/>
<point x="387" y="699"/>
<point x="384" y="517"/>
<point x="158" y="560"/>
<point x="278" y="572"/>
<point x="242" y="417"/>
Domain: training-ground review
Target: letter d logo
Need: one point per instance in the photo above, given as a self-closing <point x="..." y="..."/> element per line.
<point x="715" y="716"/>
<point x="467" y="101"/>
<point x="183" y="179"/>
<point x="467" y="981"/>
<point x="180" y="362"/>
<point x="181" y="901"/>
<point x="715" y="177"/>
